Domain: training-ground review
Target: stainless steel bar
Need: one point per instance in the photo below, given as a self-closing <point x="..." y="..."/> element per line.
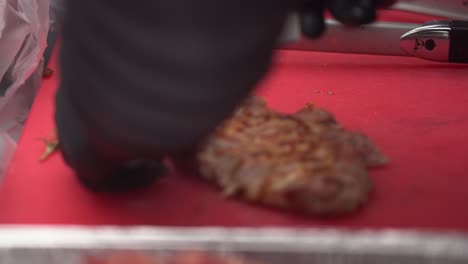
<point x="54" y="245"/>
<point x="379" y="38"/>
<point x="291" y="30"/>
<point x="449" y="9"/>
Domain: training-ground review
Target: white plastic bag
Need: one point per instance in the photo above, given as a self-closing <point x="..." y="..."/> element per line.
<point x="24" y="25"/>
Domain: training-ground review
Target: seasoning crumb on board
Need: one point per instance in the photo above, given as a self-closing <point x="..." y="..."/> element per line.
<point x="47" y="72"/>
<point x="51" y="146"/>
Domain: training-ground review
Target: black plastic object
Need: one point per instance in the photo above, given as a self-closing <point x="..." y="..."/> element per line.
<point x="385" y="3"/>
<point x="348" y="12"/>
<point x="459" y="42"/>
<point x="353" y="12"/>
<point x="311" y="18"/>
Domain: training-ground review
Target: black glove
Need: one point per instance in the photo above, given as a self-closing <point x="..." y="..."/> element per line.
<point x="146" y="78"/>
<point x="348" y="12"/>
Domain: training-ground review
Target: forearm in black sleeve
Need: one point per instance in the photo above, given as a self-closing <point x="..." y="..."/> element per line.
<point x="151" y="77"/>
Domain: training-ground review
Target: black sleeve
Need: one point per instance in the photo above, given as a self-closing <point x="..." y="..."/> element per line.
<point x="157" y="76"/>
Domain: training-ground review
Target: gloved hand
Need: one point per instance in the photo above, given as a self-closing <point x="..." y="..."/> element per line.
<point x="147" y="78"/>
<point x="349" y="12"/>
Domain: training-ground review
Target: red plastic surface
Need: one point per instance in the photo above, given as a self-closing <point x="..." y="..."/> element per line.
<point x="415" y="110"/>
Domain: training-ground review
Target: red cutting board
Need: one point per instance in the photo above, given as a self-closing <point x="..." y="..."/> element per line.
<point x="415" y="110"/>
